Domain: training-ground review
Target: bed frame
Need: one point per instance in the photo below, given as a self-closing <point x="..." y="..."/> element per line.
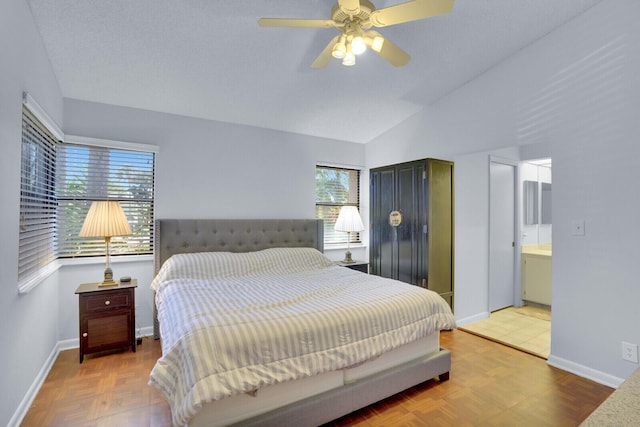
<point x="174" y="236"/>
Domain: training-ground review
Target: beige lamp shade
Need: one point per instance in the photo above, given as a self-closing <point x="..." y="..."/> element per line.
<point x="105" y="219"/>
<point x="349" y="220"/>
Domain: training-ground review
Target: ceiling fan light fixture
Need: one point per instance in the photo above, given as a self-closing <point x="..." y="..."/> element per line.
<point x="358" y="45"/>
<point x="349" y="59"/>
<point x="339" y="49"/>
<point x="377" y="43"/>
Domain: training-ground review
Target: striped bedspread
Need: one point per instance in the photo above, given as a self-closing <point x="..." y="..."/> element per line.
<point x="233" y="323"/>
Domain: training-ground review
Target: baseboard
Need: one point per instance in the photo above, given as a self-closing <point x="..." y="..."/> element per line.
<point x="68" y="344"/>
<point x="473" y="318"/>
<point x="31" y="394"/>
<point x="584" y="371"/>
<point x="75" y="342"/>
<point x="144" y="332"/>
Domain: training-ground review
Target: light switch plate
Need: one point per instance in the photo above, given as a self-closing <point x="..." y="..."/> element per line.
<point x="577" y="227"/>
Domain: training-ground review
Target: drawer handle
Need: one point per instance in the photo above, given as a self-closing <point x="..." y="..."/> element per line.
<point x="107" y="302"/>
<point x="85" y="335"/>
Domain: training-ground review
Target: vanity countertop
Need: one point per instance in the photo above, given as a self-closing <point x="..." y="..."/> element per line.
<point x="543" y="249"/>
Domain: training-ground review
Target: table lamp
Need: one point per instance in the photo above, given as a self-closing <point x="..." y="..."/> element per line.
<point x="106" y="219"/>
<point x="349" y="220"/>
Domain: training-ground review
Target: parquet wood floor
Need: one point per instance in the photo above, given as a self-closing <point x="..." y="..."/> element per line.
<point x="490" y="385"/>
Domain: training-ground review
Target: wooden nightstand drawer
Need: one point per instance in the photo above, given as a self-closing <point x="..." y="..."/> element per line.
<point x="109" y="300"/>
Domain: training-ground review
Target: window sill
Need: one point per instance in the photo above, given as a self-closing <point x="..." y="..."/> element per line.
<point x="335" y="246"/>
<point x="100" y="260"/>
<point x="43" y="274"/>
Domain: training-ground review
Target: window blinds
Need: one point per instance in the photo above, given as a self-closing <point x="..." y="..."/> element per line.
<point x="87" y="173"/>
<point x="336" y="187"/>
<point x="37" y="236"/>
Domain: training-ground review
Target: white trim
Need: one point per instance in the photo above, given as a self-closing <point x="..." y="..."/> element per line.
<point x="146" y="331"/>
<point x="503" y="160"/>
<point x="584" y="371"/>
<point x="109" y="143"/>
<point x="32" y="392"/>
<point x="42" y="116"/>
<point x="68" y="344"/>
<point x="342" y="246"/>
<point x="340" y="166"/>
<point x="52" y="267"/>
<point x="43" y="274"/>
<point x="474" y="318"/>
<point x="100" y="260"/>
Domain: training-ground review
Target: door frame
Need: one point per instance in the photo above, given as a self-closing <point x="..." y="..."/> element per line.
<point x="517" y="282"/>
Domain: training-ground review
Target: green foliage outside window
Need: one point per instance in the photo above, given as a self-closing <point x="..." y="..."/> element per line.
<point x="336" y="187"/>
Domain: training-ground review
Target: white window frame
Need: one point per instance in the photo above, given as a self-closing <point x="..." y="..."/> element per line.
<point x="355" y="237"/>
<point x="120" y="247"/>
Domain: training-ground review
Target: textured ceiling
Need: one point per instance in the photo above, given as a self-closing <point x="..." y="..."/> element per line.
<point x="210" y="59"/>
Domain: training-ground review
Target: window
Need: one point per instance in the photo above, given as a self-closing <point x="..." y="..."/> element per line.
<point x="37" y="241"/>
<point x="57" y="185"/>
<point x="87" y="173"/>
<point x="336" y="187"/>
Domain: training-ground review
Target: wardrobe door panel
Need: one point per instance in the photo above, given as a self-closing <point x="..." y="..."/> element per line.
<point x="383" y="251"/>
<point x="408" y="193"/>
<point x="440" y="234"/>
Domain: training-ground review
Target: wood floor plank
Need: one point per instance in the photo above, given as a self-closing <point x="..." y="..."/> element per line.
<point x="490" y="385"/>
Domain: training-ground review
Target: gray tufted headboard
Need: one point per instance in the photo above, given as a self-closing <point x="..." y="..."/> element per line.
<point x="174" y="236"/>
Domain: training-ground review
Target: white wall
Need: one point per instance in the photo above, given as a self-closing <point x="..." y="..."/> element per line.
<point x="574" y="95"/>
<point x="28" y="326"/>
<point x="205" y="169"/>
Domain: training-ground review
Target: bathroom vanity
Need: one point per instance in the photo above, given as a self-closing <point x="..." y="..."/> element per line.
<point x="536" y="273"/>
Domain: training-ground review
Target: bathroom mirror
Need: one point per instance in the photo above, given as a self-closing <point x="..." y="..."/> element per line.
<point x="545" y="203"/>
<point x="530" y="202"/>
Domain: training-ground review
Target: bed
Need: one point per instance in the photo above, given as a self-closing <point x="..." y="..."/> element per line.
<point x="258" y="327"/>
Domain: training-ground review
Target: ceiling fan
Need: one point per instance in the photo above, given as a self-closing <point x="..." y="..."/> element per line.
<point x="354" y="18"/>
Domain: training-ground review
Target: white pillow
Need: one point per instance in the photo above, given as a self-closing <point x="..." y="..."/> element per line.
<point x="217" y="265"/>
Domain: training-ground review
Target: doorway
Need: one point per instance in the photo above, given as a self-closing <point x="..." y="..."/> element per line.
<point x="528" y="327"/>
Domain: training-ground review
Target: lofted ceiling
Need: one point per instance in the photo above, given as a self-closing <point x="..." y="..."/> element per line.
<point x="210" y="59"/>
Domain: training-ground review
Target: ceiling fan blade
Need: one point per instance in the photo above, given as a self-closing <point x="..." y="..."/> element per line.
<point x="325" y="56"/>
<point x="292" y="22"/>
<point x="350" y="7"/>
<point x="387" y="50"/>
<point x="409" y="11"/>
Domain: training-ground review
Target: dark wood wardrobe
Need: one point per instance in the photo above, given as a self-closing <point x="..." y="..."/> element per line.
<point x="412" y="224"/>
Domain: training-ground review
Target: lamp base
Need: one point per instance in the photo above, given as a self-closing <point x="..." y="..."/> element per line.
<point x="347" y="258"/>
<point x="108" y="283"/>
<point x="108" y="278"/>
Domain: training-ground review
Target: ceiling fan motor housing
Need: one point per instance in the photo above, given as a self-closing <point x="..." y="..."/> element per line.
<point x="361" y="19"/>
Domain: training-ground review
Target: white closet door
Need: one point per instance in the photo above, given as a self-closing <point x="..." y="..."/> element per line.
<point x="501" y="235"/>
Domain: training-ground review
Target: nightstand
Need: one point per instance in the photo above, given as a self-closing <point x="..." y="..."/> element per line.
<point x="361" y="266"/>
<point x="107" y="317"/>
